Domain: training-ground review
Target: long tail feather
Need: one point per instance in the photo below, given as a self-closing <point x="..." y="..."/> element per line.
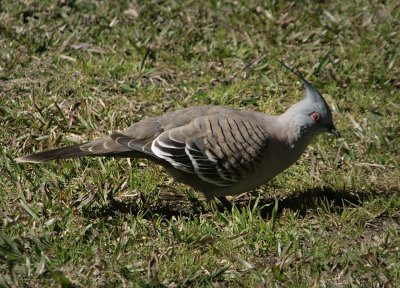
<point x="54" y="154"/>
<point x="100" y="147"/>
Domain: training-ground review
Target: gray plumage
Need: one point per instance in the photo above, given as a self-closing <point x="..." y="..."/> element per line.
<point x="217" y="150"/>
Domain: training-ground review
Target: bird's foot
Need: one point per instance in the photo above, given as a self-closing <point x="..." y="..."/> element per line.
<point x="215" y="207"/>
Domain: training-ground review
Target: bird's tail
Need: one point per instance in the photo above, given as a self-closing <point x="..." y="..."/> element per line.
<point x="100" y="147"/>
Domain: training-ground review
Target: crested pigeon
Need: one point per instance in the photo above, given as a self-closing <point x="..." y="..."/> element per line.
<point x="216" y="150"/>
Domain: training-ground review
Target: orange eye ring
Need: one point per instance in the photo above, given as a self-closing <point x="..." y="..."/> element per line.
<point x="315" y="117"/>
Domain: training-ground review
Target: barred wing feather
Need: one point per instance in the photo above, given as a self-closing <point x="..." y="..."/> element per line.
<point x="219" y="149"/>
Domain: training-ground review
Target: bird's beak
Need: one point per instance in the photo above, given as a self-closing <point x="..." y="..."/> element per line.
<point x="335" y="132"/>
<point x="332" y="129"/>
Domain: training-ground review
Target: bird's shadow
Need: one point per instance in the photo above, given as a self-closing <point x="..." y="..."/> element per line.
<point x="192" y="207"/>
<point x="311" y="199"/>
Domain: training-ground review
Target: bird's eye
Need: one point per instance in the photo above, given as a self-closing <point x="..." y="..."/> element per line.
<point x="315" y="116"/>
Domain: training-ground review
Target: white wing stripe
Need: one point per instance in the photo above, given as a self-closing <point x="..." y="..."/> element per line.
<point x="157" y="150"/>
<point x="170" y="136"/>
<point x="202" y="174"/>
<point x="210" y="157"/>
<point x="195" y="165"/>
<point x="162" y="144"/>
<point x="167" y="156"/>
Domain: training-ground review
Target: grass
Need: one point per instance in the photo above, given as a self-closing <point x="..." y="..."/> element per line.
<point x="72" y="71"/>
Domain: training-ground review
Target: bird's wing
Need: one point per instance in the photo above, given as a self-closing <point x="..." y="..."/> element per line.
<point x="219" y="149"/>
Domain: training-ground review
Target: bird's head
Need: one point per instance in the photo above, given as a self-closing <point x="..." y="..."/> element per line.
<point x="312" y="112"/>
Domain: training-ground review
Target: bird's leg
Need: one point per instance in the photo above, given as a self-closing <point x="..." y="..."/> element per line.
<point x="227" y="204"/>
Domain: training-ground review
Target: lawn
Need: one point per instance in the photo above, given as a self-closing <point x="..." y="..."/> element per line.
<point x="73" y="71"/>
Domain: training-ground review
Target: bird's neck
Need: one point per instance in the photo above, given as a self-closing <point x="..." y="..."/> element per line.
<point x="296" y="135"/>
<point x="290" y="142"/>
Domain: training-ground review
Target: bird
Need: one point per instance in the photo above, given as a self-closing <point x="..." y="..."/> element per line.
<point x="219" y="151"/>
